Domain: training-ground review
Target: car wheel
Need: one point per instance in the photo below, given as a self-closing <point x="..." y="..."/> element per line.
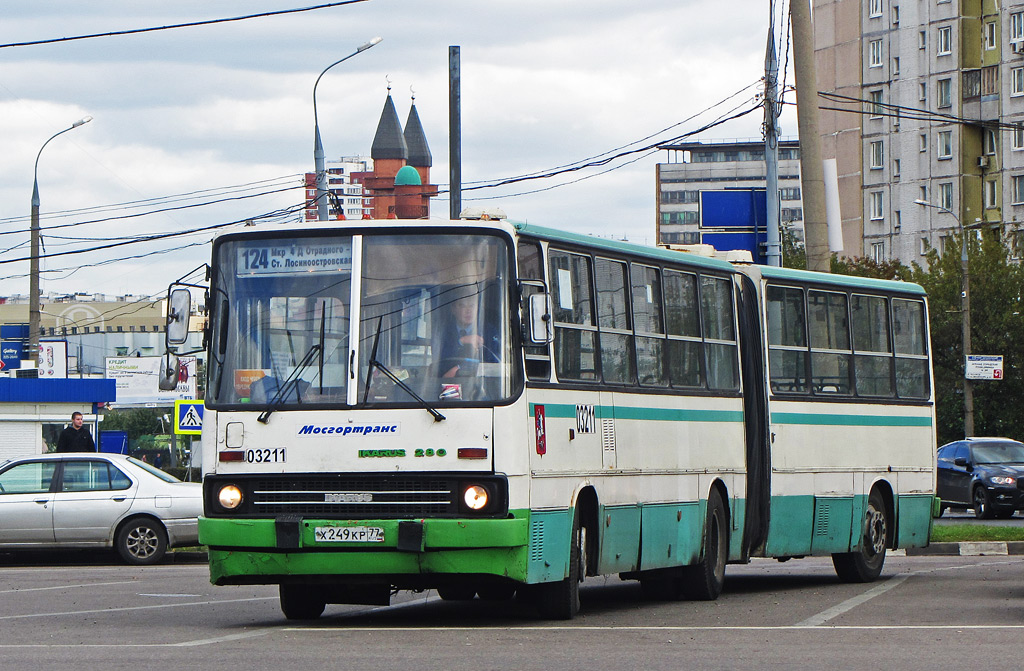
<point x="982" y="506"/>
<point x="142" y="541"/>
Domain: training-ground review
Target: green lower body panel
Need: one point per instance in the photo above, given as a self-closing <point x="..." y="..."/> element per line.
<point x="915" y="520"/>
<point x="265" y="550"/>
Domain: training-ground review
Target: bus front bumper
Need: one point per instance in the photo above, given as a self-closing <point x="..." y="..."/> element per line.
<point x="267" y="551"/>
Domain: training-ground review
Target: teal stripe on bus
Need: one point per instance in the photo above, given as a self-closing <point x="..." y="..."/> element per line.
<point x="561" y="410"/>
<point x="822" y="419"/>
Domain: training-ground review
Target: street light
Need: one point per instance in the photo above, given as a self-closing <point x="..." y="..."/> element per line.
<point x="965" y="310"/>
<point x="322" y="205"/>
<point x="33" y="289"/>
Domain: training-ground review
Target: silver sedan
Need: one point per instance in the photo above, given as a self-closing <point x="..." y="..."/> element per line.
<point x="86" y="500"/>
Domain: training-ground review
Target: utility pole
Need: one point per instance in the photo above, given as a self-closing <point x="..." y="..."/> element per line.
<point x="812" y="178"/>
<point x="773" y="252"/>
<point x="965" y="311"/>
<point x="454" y="132"/>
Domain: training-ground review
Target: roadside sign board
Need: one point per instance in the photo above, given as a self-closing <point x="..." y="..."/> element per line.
<point x="984" y="367"/>
<point x="188" y="418"/>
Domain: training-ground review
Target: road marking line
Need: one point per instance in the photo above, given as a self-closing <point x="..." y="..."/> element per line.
<point x="462" y="631"/>
<point x="94" y="611"/>
<point x="848" y="605"/>
<point x="43" y="589"/>
<point x="223" y="639"/>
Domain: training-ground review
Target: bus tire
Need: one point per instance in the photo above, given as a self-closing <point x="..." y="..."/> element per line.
<point x="703" y="581"/>
<point x="865" y="564"/>
<point x="301" y="602"/>
<point x="456" y="593"/>
<point x="561" y="600"/>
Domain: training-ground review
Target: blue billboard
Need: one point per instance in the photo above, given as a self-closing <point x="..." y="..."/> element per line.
<point x="735" y="219"/>
<point x="11" y="353"/>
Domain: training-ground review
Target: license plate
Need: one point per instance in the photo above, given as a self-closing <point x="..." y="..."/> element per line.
<point x="348" y="534"/>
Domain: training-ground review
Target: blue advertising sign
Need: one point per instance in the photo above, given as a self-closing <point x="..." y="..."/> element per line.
<point x="736" y="208"/>
<point x="11" y="353"/>
<point x="13" y="331"/>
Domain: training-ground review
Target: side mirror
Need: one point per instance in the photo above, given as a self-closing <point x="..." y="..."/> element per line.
<point x="960" y="461"/>
<point x="168" y="373"/>
<point x="540" y="329"/>
<point x="179" y="305"/>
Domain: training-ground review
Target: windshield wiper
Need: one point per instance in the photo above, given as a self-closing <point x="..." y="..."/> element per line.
<point x="290" y="384"/>
<point x="438" y="417"/>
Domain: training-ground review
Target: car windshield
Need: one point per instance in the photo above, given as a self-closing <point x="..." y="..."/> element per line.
<point x="166" y="477"/>
<point x="1008" y="452"/>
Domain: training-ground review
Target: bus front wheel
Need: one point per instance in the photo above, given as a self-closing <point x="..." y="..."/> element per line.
<point x="561" y="600"/>
<point x="865" y="564"/>
<point x="300" y="602"/>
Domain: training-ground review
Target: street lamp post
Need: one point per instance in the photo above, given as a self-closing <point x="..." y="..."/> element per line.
<point x="322" y="206"/>
<point x="965" y="313"/>
<point x="33" y="289"/>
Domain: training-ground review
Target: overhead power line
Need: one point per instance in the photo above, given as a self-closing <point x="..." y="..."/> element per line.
<point x="136" y="31"/>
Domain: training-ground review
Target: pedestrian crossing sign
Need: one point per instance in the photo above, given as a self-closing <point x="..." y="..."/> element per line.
<point x="188" y="418"/>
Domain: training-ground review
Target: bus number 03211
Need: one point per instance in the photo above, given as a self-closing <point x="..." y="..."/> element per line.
<point x="265" y="456"/>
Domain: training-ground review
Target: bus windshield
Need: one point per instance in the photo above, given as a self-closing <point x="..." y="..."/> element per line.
<point x="433" y="310"/>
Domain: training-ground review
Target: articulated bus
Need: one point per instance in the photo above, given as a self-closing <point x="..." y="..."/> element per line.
<point x="610" y="409"/>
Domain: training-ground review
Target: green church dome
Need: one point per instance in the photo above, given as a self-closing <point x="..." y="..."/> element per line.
<point x="407" y="176"/>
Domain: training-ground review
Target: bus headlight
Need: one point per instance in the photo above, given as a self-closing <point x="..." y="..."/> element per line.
<point x="229" y="497"/>
<point x="475" y="497"/>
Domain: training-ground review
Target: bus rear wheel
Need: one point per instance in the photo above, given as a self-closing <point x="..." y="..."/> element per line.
<point x="865" y="564"/>
<point x="703" y="581"/>
<point x="301" y="602"/>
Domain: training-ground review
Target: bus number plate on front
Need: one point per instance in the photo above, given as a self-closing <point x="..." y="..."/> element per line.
<point x="348" y="534"/>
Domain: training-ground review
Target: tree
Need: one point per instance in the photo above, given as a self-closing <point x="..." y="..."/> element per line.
<point x="136" y="422"/>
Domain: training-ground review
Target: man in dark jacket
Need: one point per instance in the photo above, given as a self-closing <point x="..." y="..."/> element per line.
<point x="75" y="438"/>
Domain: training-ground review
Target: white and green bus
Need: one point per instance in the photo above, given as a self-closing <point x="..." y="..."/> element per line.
<point x="617" y="409"/>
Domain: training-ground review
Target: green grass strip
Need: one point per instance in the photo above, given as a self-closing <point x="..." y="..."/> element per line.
<point x="955" y="533"/>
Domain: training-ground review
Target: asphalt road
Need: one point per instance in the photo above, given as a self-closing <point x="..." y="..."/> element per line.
<point x="925" y="613"/>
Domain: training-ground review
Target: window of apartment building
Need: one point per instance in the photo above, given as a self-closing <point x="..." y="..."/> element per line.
<point x="878" y="252"/>
<point x="990" y="35"/>
<point x="944" y="46"/>
<point x="789" y="193"/>
<point x="875" y="54"/>
<point x="922" y="39"/>
<point x="1018" y="189"/>
<point x="896" y="168"/>
<point x="922" y="193"/>
<point x="944" y="92"/>
<point x="946" y="195"/>
<point x="990" y="193"/>
<point x="875" y="106"/>
<point x="897" y="220"/>
<point x="895" y="15"/>
<point x="924" y="142"/>
<point x="877" y="155"/>
<point x="922" y="89"/>
<point x="874" y="8"/>
<point x="922" y="248"/>
<point x="896" y="65"/>
<point x="1017" y="81"/>
<point x="989" y="142"/>
<point x="1017" y="27"/>
<point x="1017" y="136"/>
<point x="945" y="139"/>
<point x="875" y="205"/>
<point x="792" y="213"/>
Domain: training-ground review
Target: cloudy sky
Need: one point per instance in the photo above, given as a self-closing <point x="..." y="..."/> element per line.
<point x="223" y="112"/>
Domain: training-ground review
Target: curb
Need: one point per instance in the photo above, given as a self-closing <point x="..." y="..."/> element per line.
<point x="969" y="549"/>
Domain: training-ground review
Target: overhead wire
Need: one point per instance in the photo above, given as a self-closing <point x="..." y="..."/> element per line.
<point x="190" y="24"/>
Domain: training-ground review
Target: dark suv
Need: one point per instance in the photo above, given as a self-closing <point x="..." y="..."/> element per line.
<point x="986" y="474"/>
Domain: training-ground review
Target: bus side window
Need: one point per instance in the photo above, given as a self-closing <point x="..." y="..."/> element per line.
<point x="575" y="331"/>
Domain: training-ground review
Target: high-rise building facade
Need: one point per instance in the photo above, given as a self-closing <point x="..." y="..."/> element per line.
<point x="693" y="167"/>
<point x="347" y="195"/>
<point x="923" y="102"/>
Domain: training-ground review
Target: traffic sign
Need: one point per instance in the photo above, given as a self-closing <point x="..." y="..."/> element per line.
<point x="984" y="367"/>
<point x="188" y="418"/>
